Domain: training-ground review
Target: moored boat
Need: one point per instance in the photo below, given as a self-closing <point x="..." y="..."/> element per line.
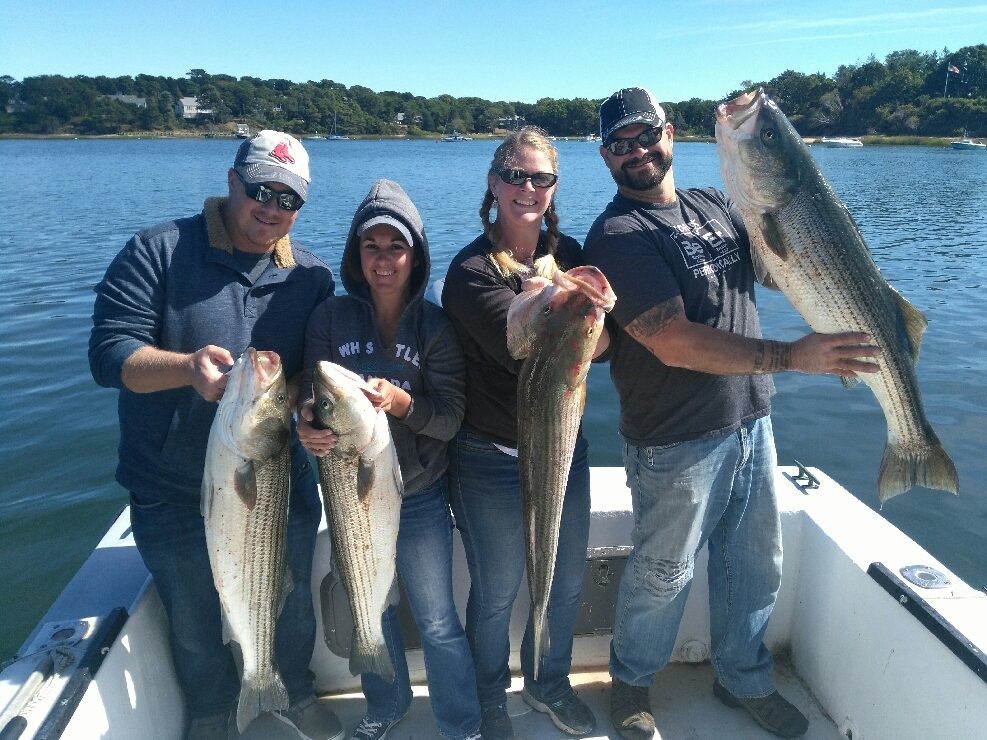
<point x="967" y="143"/>
<point x="840" y="142"/>
<point x="873" y="630"/>
<point x="456" y="136"/>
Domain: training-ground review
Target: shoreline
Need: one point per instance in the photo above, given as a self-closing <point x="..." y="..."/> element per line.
<point x="867" y="139"/>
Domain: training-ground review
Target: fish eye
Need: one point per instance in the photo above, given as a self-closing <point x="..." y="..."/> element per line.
<point x="281" y="398"/>
<point x="769" y="136"/>
<point x="547" y="310"/>
<point x="324" y="404"/>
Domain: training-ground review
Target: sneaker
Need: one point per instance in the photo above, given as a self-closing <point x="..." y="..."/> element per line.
<point x="568" y="712"/>
<point x="213" y="727"/>
<point x="773" y="712"/>
<point x="630" y="711"/>
<point x="374" y="729"/>
<point x="313" y="720"/>
<point x="495" y="724"/>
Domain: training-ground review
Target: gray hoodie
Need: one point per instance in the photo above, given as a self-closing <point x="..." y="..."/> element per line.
<point x="425" y="359"/>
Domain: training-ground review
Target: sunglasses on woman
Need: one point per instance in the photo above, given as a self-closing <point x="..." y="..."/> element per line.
<point x="648" y="137"/>
<point x="262" y="194"/>
<point x="519" y="177"/>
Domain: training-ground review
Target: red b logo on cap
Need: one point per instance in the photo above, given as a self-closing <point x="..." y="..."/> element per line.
<point x="281" y="153"/>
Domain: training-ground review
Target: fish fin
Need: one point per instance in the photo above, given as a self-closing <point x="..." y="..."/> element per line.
<point x="287" y="586"/>
<point x="366" y="658"/>
<point x="364" y="478"/>
<point x="227" y="628"/>
<point x="256" y="698"/>
<point x="205" y="500"/>
<point x="914" y="322"/>
<point x="771" y="235"/>
<point x="582" y="398"/>
<point x="245" y="484"/>
<point x="758" y="248"/>
<point x="394" y="593"/>
<point x="849" y="382"/>
<point x="900" y="471"/>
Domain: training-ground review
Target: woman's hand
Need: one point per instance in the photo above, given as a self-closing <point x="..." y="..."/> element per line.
<point x="316" y="441"/>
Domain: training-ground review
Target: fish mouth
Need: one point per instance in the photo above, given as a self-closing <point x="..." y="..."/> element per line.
<point x="735" y="112"/>
<point x="591" y="283"/>
<point x="265" y="366"/>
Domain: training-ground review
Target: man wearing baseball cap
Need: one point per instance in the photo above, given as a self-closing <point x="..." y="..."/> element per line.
<point x="175" y="309"/>
<point x="693" y="376"/>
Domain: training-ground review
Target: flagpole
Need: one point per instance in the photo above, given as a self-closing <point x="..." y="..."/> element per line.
<point x="946" y="85"/>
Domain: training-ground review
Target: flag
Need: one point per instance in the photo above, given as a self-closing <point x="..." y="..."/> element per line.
<point x="953" y="69"/>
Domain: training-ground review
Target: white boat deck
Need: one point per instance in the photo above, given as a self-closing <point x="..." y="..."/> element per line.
<point x="857" y="656"/>
<point x="681" y="697"/>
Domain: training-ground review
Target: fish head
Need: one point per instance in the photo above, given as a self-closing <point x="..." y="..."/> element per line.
<point x="254" y="408"/>
<point x="761" y="155"/>
<point x="340" y="405"/>
<point x="563" y="316"/>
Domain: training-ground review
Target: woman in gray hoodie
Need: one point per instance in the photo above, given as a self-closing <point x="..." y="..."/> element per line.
<point x="384" y="330"/>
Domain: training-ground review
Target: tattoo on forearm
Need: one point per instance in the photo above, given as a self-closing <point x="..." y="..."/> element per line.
<point x="653" y="321"/>
<point x="771" y="357"/>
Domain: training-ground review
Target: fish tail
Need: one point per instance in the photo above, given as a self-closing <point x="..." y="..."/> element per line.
<point x="900" y="471"/>
<point x="371" y="658"/>
<point x="257" y="697"/>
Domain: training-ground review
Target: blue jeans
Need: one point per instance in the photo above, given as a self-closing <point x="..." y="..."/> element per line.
<point x="485" y="492"/>
<point x="424" y="563"/>
<point x="172" y="541"/>
<point x="718" y="490"/>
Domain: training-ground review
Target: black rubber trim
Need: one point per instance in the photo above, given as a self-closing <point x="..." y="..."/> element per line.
<point x="99" y="645"/>
<point x="931" y="619"/>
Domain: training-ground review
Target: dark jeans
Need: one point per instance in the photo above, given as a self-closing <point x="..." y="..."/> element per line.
<point x="171" y="539"/>
<point x="424" y="562"/>
<point x="485" y="492"/>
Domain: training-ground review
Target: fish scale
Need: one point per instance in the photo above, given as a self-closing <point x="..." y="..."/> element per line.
<point x="805" y="242"/>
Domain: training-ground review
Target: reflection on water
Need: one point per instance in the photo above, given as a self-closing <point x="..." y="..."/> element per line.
<point x="922" y="212"/>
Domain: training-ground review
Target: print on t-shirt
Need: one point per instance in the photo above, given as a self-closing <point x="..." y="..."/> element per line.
<point x="707" y="248"/>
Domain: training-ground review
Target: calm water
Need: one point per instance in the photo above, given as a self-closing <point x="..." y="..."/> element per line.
<point x="71" y="205"/>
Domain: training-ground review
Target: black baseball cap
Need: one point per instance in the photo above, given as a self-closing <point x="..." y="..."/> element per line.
<point x="627" y="106"/>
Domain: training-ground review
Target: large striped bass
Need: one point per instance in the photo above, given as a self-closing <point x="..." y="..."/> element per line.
<point x="554" y="329"/>
<point x="245" y="489"/>
<point x="805" y="242"/>
<point x="362" y="490"/>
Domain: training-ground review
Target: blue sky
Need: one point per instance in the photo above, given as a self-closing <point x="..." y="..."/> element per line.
<point x="493" y="50"/>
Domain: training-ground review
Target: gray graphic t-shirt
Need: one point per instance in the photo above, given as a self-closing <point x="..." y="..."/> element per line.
<point x="696" y="249"/>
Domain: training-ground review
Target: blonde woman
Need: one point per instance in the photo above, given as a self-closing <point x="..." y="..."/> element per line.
<point x="484" y="483"/>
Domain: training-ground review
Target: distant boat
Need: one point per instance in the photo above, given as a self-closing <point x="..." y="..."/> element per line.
<point x="840" y="142"/>
<point x="333" y="136"/>
<point x="242" y="131"/>
<point x="592" y="137"/>
<point x="967" y="143"/>
<point x="456" y="136"/>
<point x="314" y="137"/>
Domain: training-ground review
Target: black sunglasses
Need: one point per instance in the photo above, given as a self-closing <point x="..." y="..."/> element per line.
<point x="262" y="194"/>
<point x="648" y="137"/>
<point x="519" y="177"/>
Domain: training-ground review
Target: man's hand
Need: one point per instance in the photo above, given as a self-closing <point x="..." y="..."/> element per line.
<point x="209" y="367"/>
<point x="834" y="354"/>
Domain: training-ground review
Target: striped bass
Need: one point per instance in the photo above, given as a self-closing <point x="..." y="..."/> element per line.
<point x="362" y="490"/>
<point x="805" y="242"/>
<point x="245" y="489"/>
<point x="554" y="328"/>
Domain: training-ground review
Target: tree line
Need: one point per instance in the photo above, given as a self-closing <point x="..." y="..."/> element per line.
<point x="909" y="93"/>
